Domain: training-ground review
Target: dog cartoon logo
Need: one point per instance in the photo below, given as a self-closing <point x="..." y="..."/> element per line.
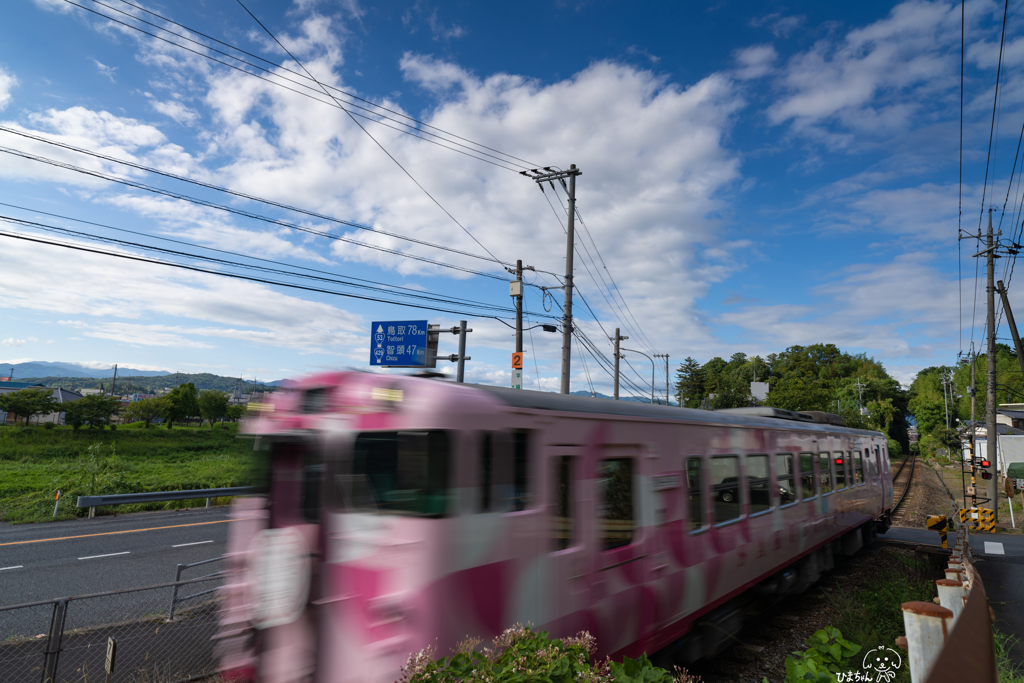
<point x="883" y="661"/>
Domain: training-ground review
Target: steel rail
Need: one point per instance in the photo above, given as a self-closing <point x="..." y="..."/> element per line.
<point x="910" y="477"/>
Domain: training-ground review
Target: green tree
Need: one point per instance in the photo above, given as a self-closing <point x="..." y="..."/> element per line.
<point x="28" y="403"/>
<point x="690" y="384"/>
<point x="182" y="403"/>
<point x="146" y="410"/>
<point x="236" y="412"/>
<point x="95" y="411"/>
<point x="213" y="405"/>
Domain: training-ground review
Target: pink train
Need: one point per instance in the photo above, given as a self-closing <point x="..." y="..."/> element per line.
<point x="403" y="512"/>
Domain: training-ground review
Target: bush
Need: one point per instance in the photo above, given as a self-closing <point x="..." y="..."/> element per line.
<point x="519" y="655"/>
<point x="48" y="425"/>
<point x="829" y="653"/>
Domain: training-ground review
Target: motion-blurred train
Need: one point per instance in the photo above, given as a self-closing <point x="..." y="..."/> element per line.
<point x="404" y="512"/>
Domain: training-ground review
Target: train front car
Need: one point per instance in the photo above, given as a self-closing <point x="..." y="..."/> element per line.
<point x="360" y="552"/>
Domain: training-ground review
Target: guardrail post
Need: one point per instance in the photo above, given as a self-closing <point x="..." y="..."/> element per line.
<point x="927" y="626"/>
<point x="207" y="502"/>
<point x="951" y="595"/>
<point x="92" y="511"/>
<point x="53" y="639"/>
<point x="174" y="593"/>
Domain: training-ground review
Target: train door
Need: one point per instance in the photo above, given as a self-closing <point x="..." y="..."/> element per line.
<point x="617" y="579"/>
<point x="285" y="561"/>
<point x="567" y="546"/>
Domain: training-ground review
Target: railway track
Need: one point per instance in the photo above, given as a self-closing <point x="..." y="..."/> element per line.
<point x="906" y="483"/>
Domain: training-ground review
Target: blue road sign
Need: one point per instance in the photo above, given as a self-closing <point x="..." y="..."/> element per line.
<point x="399" y="343"/>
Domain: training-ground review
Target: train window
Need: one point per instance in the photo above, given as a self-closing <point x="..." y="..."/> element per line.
<point x="400" y="473"/>
<point x="312" y="484"/>
<point x="840" y="462"/>
<point x="785" y="475"/>
<point x="825" y="472"/>
<point x="758" y="483"/>
<point x="858" y="467"/>
<point x="521" y="493"/>
<point x="696" y="489"/>
<point x="486" y="472"/>
<point x="807" y="475"/>
<point x="725" y="480"/>
<point x="562" y="524"/>
<point x="615" y="481"/>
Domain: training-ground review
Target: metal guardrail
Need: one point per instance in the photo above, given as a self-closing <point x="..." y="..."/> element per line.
<point x="93" y="502"/>
<point x="175" y="600"/>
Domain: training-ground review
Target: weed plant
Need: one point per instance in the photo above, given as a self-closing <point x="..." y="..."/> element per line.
<point x="36" y="462"/>
<point x="1007" y="670"/>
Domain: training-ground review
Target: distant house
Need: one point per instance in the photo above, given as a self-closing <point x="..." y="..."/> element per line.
<point x="61" y="395"/>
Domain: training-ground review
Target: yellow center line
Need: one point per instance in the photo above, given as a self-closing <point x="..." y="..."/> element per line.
<point x="111" y="533"/>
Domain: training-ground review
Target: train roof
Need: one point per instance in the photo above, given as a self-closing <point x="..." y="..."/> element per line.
<point x="773" y="418"/>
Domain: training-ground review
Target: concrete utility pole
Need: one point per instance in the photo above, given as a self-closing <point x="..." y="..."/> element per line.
<point x="992" y="441"/>
<point x="114" y="381"/>
<point x="974" y="425"/>
<point x="515" y="290"/>
<point x="945" y="405"/>
<point x="570" y="245"/>
<point x="665" y="356"/>
<point x="616" y="339"/>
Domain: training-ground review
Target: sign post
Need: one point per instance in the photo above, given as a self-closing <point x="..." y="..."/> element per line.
<point x="517" y="370"/>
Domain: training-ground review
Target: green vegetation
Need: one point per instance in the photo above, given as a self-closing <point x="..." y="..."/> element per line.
<point x="520" y="656"/>
<point x="816" y="377"/>
<point x="870" y="608"/>
<point x="27" y="403"/>
<point x="1007" y="670"/>
<point x="828" y="654"/>
<point x="94" y="411"/>
<point x="35" y="462"/>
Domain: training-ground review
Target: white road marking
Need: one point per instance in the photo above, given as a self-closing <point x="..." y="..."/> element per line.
<point x="93" y="557"/>
<point x="19" y="566"/>
<point x="994" y="548"/>
<point x="182" y="545"/>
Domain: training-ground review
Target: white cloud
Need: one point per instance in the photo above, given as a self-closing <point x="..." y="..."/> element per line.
<point x="420" y="13"/>
<point x="11" y="341"/>
<point x="755" y="61"/>
<point x="7" y="83"/>
<point x="175" y="110"/>
<point x="105" y="70"/>
<point x="781" y="26"/>
<point x="874" y="79"/>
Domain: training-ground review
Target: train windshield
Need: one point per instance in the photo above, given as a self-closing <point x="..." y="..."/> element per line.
<point x="406" y="473"/>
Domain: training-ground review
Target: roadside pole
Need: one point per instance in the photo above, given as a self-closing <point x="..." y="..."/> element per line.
<point x="618" y="337"/>
<point x="992" y="434"/>
<point x="665" y="356"/>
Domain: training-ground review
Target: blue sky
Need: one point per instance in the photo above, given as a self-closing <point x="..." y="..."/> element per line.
<point x="755" y="175"/>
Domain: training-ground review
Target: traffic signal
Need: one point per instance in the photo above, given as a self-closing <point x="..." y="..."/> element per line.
<point x="986" y="475"/>
<point x="985" y="463"/>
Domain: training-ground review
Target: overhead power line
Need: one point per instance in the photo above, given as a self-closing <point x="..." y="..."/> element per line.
<point x="375" y="140"/>
<point x="375" y="112"/>
<point x="235" y="193"/>
<point x="240" y="212"/>
<point x="237" y="276"/>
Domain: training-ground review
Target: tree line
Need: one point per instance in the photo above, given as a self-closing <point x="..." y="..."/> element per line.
<point x="818" y="377"/>
<point x="181" y="404"/>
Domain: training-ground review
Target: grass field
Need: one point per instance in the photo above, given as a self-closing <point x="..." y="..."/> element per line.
<point x="35" y="462"/>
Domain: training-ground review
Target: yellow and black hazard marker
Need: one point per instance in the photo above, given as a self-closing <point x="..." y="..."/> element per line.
<point x="939" y="523"/>
<point x="978" y="519"/>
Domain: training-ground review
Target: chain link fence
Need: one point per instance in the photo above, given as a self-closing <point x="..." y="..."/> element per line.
<point x="66" y="640"/>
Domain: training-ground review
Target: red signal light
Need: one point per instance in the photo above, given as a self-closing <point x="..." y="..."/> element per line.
<point x="839" y="461"/>
<point x="985" y="463"/>
<point x="986" y="475"/>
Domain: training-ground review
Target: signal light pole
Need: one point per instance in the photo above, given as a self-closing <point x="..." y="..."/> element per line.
<point x="570" y="245"/>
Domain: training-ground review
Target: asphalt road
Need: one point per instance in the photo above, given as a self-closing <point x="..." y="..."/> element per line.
<point x="75" y="557"/>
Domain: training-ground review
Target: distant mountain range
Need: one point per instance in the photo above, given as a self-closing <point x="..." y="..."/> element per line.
<point x="42" y="368"/>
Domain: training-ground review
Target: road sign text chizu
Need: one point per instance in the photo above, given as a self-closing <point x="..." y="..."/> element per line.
<point x="398" y="343"/>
